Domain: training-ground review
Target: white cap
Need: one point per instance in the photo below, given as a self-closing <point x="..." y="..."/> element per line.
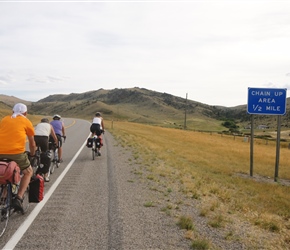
<point x="19" y="109"/>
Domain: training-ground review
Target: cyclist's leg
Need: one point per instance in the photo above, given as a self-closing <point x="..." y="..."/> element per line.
<point x="59" y="147"/>
<point x="45" y="160"/>
<point x="101" y="140"/>
<point x="27" y="173"/>
<point x="25" y="202"/>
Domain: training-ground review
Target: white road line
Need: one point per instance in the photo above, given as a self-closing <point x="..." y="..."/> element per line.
<point x="26" y="224"/>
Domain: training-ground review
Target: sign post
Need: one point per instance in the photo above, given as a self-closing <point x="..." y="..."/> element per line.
<point x="265" y="101"/>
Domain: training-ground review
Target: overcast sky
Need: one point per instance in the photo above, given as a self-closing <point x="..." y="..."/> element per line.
<point x="211" y="50"/>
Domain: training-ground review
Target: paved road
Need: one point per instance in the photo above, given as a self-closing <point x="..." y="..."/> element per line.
<point x="92" y="205"/>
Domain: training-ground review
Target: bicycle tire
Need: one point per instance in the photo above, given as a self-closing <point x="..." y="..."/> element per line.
<point x="52" y="166"/>
<point x="26" y="200"/>
<point x="93" y="150"/>
<point x="5" y="207"/>
<point x="56" y="159"/>
<point x="97" y="152"/>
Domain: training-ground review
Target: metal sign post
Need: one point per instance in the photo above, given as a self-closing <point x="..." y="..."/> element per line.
<point x="252" y="146"/>
<point x="264" y="101"/>
<point x="277" y="147"/>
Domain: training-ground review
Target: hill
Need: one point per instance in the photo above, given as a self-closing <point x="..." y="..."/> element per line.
<point x="145" y="106"/>
<point x="11" y="100"/>
<point x="136" y="105"/>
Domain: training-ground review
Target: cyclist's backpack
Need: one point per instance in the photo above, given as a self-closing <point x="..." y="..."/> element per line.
<point x="90" y="142"/>
<point x="36" y="189"/>
<point x="9" y="172"/>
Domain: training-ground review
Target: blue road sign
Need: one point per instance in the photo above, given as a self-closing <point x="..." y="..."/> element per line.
<point x="266" y="101"/>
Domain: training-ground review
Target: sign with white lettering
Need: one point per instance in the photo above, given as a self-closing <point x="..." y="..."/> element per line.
<point x="267" y="101"/>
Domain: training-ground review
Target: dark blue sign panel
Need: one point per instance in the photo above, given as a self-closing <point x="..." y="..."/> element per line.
<point x="267" y="101"/>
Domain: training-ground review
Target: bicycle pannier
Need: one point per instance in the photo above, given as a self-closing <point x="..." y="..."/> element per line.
<point x="36" y="189"/>
<point x="90" y="142"/>
<point x="98" y="142"/>
<point x="9" y="172"/>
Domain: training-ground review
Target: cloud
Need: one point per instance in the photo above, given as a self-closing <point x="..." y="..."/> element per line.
<point x="211" y="50"/>
<point x="3" y="82"/>
<point x="6" y="79"/>
<point x="46" y="79"/>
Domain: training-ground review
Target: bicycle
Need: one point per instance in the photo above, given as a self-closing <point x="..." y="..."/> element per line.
<point x="7" y="193"/>
<point x="35" y="161"/>
<point x="55" y="161"/>
<point x="40" y="166"/>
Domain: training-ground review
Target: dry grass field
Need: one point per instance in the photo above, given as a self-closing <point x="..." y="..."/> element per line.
<point x="33" y="118"/>
<point x="215" y="170"/>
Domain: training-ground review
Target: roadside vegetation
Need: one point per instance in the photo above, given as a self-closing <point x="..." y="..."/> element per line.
<point x="212" y="170"/>
<point x="33" y="118"/>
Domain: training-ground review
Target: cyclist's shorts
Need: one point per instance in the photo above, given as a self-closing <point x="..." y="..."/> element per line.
<point x="52" y="141"/>
<point x="42" y="142"/>
<point x="96" y="129"/>
<point x="21" y="159"/>
<point x="59" y="140"/>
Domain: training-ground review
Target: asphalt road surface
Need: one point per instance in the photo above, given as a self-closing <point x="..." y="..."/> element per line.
<point x="93" y="204"/>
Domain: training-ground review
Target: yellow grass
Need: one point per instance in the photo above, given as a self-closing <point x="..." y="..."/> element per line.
<point x="33" y="118"/>
<point x="212" y="168"/>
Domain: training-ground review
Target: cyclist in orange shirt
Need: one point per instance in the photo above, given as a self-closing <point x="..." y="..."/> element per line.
<point x="13" y="132"/>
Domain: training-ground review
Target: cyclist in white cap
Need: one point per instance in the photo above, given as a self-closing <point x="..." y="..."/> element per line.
<point x="13" y="132"/>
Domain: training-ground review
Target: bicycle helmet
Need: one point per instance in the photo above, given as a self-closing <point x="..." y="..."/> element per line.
<point x="98" y="114"/>
<point x="56" y="117"/>
<point x="44" y="120"/>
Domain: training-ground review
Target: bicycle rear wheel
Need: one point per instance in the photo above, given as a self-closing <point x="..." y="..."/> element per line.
<point x="5" y="204"/>
<point x="26" y="200"/>
<point x="93" y="150"/>
<point x="56" y="158"/>
<point x="52" y="166"/>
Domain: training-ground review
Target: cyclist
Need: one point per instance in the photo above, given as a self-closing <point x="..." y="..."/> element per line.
<point x="97" y="126"/>
<point x="59" y="130"/>
<point x="13" y="132"/>
<point x="42" y="132"/>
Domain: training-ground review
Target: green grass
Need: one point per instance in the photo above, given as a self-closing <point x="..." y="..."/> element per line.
<point x="200" y="244"/>
<point x="185" y="222"/>
<point x="149" y="204"/>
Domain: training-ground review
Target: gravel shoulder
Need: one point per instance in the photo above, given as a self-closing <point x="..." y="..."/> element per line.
<point x="144" y="226"/>
<point x="150" y="213"/>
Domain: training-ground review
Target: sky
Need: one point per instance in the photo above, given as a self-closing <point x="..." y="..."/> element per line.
<point x="209" y="51"/>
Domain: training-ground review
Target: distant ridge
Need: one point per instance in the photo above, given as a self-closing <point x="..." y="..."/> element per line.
<point x="12" y="100"/>
<point x="133" y="104"/>
<point x="142" y="105"/>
